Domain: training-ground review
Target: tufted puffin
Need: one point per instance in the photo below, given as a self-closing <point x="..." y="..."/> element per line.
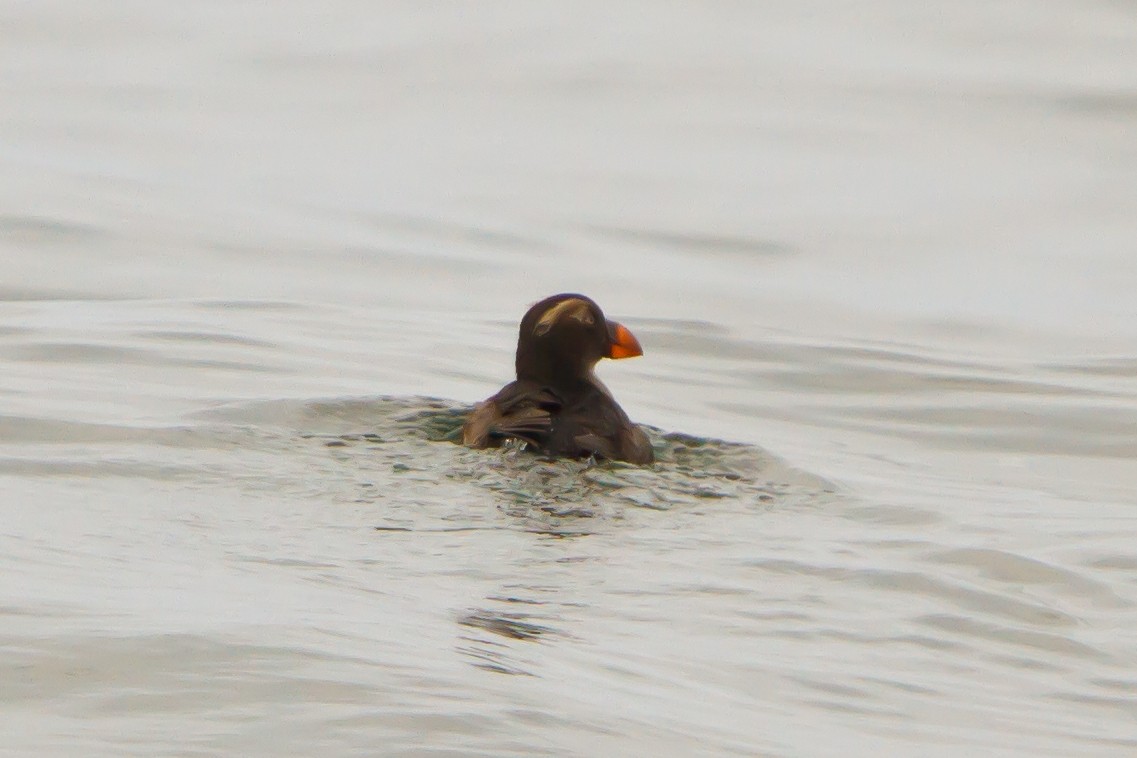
<point x="557" y="406"/>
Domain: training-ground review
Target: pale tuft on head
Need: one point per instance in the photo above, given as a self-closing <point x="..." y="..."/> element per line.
<point x="573" y="308"/>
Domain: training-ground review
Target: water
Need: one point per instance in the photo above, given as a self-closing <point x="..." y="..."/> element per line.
<point x="255" y="260"/>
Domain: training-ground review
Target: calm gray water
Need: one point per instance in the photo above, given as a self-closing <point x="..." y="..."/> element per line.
<point x="255" y="259"/>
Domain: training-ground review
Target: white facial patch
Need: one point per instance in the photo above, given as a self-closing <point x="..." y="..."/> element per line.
<point x="573" y="308"/>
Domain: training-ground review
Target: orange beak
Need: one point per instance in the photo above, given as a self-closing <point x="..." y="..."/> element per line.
<point x="622" y="343"/>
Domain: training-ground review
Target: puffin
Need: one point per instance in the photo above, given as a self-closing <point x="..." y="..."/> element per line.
<point x="556" y="405"/>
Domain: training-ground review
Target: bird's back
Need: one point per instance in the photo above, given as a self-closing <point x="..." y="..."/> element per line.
<point x="577" y="424"/>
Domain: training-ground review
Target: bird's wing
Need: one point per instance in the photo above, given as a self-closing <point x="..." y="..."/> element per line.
<point x="520" y="410"/>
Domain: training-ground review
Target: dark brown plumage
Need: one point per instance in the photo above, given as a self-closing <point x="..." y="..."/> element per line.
<point x="557" y="405"/>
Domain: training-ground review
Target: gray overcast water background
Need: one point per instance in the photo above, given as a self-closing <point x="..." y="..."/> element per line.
<point x="889" y="249"/>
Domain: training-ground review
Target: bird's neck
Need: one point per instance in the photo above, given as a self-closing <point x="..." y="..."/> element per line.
<point x="555" y="372"/>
